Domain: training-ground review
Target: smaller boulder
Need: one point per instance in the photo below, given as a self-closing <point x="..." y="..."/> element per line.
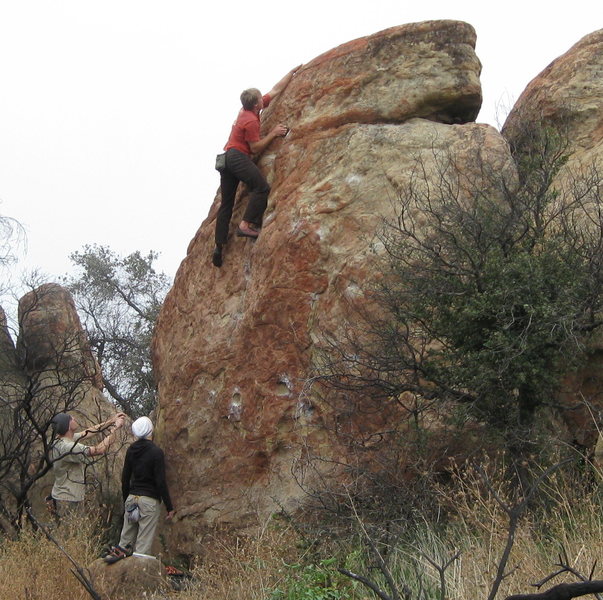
<point x="132" y="577"/>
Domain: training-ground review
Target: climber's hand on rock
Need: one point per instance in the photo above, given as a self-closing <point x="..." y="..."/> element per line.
<point x="280" y="131"/>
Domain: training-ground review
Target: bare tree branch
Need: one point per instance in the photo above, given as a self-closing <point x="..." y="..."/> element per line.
<point x="81" y="574"/>
<point x="563" y="591"/>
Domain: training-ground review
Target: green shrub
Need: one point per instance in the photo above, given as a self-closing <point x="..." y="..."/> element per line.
<point x="311" y="582"/>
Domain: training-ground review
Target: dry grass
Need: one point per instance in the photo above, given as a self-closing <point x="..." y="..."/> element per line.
<point x="252" y="568"/>
<point x="570" y="530"/>
<point x="249" y="568"/>
<point x="33" y="568"/>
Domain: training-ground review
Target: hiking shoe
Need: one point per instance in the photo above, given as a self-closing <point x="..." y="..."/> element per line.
<point x="216" y="257"/>
<point x="247" y="231"/>
<point x="117" y="553"/>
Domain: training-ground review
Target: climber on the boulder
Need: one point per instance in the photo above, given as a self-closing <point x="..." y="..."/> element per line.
<point x="238" y="166"/>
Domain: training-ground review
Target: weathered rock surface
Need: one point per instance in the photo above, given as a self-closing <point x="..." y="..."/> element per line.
<point x="132" y="577"/>
<point x="234" y="346"/>
<point x="569" y="90"/>
<point x="428" y="70"/>
<point x="51" y="334"/>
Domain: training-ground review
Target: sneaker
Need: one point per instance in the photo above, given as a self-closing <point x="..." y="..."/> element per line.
<point x="216" y="257"/>
<point x="117" y="553"/>
<point x="247" y="231"/>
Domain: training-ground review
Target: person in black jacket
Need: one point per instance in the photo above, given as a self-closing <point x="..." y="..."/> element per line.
<point x="144" y="488"/>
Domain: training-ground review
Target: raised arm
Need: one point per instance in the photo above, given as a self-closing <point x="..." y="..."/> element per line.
<point x="105" y="444"/>
<point x="94" y="429"/>
<point x="283" y="83"/>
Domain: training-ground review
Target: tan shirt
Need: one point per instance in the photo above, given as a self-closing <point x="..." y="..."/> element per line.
<point x="70" y="460"/>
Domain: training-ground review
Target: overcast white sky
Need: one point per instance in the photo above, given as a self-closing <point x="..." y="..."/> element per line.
<point x="111" y="112"/>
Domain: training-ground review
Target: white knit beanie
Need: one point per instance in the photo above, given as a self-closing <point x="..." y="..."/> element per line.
<point x="142" y="427"/>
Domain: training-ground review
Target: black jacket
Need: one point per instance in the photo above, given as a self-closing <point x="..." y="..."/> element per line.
<point x="144" y="472"/>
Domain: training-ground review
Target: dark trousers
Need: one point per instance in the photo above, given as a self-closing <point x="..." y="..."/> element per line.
<point x="240" y="167"/>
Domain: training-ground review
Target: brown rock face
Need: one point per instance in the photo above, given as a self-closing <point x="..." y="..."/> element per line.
<point x="428" y="70"/>
<point x="570" y="89"/>
<point x="234" y="346"/>
<point x="51" y="333"/>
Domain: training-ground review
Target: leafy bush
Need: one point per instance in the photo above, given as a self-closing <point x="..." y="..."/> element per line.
<point x="311" y="582"/>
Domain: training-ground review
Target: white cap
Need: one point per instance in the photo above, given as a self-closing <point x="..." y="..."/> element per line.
<point x="142" y="427"/>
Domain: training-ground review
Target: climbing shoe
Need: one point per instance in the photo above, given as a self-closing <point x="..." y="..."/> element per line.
<point x="216" y="257"/>
<point x="117" y="553"/>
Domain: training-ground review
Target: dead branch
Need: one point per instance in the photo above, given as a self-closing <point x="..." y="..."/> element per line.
<point x="367" y="582"/>
<point x="78" y="571"/>
<point x="564" y="591"/>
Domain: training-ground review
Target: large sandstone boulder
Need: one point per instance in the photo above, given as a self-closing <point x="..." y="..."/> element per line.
<point x="569" y="94"/>
<point x="428" y="70"/>
<point x="51" y="335"/>
<point x="569" y="91"/>
<point x="234" y="347"/>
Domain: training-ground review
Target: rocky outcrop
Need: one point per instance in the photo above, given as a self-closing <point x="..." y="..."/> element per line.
<point x="568" y="92"/>
<point x="427" y="70"/>
<point x="234" y="346"/>
<point x="52" y="336"/>
<point x="51" y="370"/>
<point x="53" y="350"/>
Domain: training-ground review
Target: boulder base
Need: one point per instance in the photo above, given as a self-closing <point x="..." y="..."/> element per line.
<point x="129" y="578"/>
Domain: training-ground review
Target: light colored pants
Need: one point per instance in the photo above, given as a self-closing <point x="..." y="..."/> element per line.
<point x="140" y="535"/>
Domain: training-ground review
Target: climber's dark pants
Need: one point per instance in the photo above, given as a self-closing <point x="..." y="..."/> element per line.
<point x="240" y="167"/>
